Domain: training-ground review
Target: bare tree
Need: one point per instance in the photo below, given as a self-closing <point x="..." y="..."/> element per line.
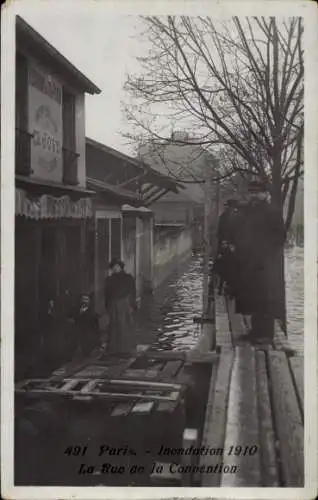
<point x="237" y="84"/>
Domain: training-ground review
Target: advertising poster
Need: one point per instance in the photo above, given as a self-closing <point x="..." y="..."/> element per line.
<point x="45" y="123"/>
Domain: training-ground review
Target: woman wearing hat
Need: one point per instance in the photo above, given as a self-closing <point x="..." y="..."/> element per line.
<point x="120" y="303"/>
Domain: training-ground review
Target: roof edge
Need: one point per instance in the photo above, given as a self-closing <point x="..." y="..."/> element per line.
<point x="24" y="29"/>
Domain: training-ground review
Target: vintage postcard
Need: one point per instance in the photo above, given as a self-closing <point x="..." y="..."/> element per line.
<point x="159" y="249"/>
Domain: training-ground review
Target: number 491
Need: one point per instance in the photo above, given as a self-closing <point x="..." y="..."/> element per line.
<point x="75" y="451"/>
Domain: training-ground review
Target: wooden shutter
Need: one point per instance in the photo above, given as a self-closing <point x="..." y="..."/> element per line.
<point x="23" y="137"/>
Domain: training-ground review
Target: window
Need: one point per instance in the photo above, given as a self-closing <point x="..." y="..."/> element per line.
<point x="69" y="140"/>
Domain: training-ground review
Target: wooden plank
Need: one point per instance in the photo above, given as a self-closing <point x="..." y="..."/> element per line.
<point x="206" y="339"/>
<point x="269" y="469"/>
<point x="223" y="332"/>
<point x="167" y="355"/>
<point x="147" y="384"/>
<point x="89" y="387"/>
<point x="242" y="422"/>
<point x="288" y="421"/>
<point x="112" y="364"/>
<point x="118" y="370"/>
<point x="151" y="374"/>
<point x="95" y="371"/>
<point x="170" y="370"/>
<point x="237" y="325"/>
<point x="216" y="410"/>
<point x="167" y="406"/>
<point x="121" y="409"/>
<point x="70" y="384"/>
<point x="297" y="369"/>
<point x="116" y="396"/>
<point x="202" y="357"/>
<point x="143" y="407"/>
<point x="189" y="438"/>
<point x="134" y="373"/>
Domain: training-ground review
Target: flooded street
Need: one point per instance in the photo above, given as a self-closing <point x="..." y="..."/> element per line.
<point x="177" y="330"/>
<point x="294" y="279"/>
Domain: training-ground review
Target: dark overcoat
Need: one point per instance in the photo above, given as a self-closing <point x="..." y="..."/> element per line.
<point x="120" y="303"/>
<point x="224" y="264"/>
<point x="259" y="252"/>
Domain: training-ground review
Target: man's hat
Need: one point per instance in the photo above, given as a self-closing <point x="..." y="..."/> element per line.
<point x="257" y="187"/>
<point x="116" y="261"/>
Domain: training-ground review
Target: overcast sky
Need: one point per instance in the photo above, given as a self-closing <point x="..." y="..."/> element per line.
<point x="103" y="47"/>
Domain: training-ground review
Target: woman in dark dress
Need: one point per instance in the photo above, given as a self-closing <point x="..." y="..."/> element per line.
<point x="120" y="303"/>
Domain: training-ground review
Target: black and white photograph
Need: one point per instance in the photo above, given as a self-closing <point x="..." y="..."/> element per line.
<point x="155" y="333"/>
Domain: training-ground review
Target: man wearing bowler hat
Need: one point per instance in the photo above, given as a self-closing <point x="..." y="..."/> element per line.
<point x="259" y="252"/>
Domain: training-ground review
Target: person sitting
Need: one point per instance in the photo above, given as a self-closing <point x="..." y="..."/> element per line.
<point x="85" y="320"/>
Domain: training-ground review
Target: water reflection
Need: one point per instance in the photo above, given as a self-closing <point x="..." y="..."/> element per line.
<point x="294" y="280"/>
<point x="180" y="333"/>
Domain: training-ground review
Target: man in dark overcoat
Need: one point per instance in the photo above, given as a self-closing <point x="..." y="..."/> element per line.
<point x="121" y="306"/>
<point x="259" y="249"/>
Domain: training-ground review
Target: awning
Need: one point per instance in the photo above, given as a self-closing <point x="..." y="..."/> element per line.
<point x="126" y="174"/>
<point x="50" y="207"/>
<point x="137" y="211"/>
<point x="123" y="195"/>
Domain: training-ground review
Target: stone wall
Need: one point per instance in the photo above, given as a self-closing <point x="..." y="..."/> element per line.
<point x="172" y="245"/>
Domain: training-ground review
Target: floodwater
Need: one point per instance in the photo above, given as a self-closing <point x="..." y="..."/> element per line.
<point x="179" y="332"/>
<point x="294" y="281"/>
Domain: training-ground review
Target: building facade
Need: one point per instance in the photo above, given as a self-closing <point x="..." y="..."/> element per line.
<point x="53" y="209"/>
<point x="124" y="226"/>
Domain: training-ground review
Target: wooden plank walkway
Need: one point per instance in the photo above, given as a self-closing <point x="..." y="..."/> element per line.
<point x="215" y="414"/>
<point x="231" y="328"/>
<point x="254" y="414"/>
<point x="242" y="425"/>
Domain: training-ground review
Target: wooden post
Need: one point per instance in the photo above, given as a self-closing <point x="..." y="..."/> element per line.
<point x="190" y="438"/>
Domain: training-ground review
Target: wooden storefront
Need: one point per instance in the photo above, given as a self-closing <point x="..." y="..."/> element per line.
<point x="54" y="240"/>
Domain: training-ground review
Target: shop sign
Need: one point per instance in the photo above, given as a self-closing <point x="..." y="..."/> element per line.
<point x="45" y="124"/>
<point x="49" y="207"/>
